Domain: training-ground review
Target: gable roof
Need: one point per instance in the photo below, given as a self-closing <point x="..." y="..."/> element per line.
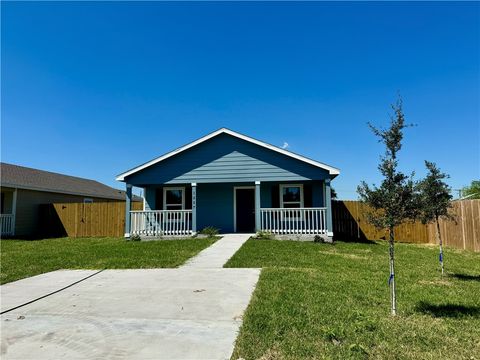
<point x="33" y="179"/>
<point x="331" y="170"/>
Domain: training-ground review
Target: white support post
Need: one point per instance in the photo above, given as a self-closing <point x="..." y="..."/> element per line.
<point x="14" y="210"/>
<point x="128" y="208"/>
<point x="257" y="206"/>
<point x="194" y="208"/>
<point x="328" y="205"/>
<point x="144" y="198"/>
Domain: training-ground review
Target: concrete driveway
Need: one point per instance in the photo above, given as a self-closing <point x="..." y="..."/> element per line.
<point x="193" y="312"/>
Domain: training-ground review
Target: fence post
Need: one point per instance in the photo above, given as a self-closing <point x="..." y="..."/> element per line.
<point x="463" y="224"/>
<point x="128" y="208"/>
<point x="473" y="226"/>
<point x="328" y="205"/>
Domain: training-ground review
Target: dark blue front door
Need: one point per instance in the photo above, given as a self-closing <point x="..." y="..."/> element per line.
<point x="245" y="210"/>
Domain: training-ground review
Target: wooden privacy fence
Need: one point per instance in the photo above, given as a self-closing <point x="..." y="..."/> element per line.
<point x="84" y="220"/>
<point x="350" y="222"/>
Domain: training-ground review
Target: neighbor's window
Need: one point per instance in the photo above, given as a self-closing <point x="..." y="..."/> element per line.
<point x="174" y="198"/>
<point x="291" y="196"/>
<point x="87" y="201"/>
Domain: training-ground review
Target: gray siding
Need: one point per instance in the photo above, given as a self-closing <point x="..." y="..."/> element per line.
<point x="224" y="159"/>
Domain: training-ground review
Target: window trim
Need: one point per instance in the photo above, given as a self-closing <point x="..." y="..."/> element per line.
<point x="165" y="189"/>
<point x="282" y="186"/>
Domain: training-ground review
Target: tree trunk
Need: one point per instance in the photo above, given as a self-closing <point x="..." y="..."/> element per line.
<point x="439" y="236"/>
<point x="391" y="280"/>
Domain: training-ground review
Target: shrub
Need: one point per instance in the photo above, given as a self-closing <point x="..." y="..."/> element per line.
<point x="210" y="231"/>
<point x="264" y="235"/>
<point x="135" y="237"/>
<point x="318" y="239"/>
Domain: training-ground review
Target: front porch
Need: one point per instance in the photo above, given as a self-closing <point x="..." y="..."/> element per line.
<point x="302" y="221"/>
<point x="8" y="204"/>
<point x="159" y="223"/>
<point x="286" y="208"/>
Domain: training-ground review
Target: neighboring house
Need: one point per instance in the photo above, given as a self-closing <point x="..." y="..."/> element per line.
<point x="24" y="189"/>
<point x="234" y="183"/>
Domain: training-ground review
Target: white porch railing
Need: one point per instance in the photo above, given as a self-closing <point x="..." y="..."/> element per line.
<point x="161" y="222"/>
<point x="6" y="224"/>
<point x="293" y="221"/>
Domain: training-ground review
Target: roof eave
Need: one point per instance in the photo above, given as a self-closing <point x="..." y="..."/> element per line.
<point x="331" y="170"/>
<point x="60" y="191"/>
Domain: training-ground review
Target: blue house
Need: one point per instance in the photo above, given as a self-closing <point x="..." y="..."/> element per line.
<point x="234" y="183"/>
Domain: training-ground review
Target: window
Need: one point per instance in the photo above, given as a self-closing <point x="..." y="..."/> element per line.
<point x="291" y="196"/>
<point x="174" y="198"/>
<point x="87" y="201"/>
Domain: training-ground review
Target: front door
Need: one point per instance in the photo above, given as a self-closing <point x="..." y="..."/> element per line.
<point x="245" y="210"/>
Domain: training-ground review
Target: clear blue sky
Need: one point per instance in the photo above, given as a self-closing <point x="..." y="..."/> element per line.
<point x="92" y="89"/>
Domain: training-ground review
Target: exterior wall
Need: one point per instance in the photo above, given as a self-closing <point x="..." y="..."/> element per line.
<point x="154" y="196"/>
<point x="215" y="202"/>
<point x="7" y="197"/>
<point x="215" y="206"/>
<point x="313" y="193"/>
<point x="224" y="159"/>
<point x="28" y="201"/>
<point x="150" y="194"/>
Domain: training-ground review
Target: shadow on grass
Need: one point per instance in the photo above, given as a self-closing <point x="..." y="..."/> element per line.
<point x="448" y="310"/>
<point x="466" y="277"/>
<point x="26" y="238"/>
<point x="356" y="241"/>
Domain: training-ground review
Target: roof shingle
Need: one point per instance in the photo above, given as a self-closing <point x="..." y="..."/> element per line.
<point x="28" y="178"/>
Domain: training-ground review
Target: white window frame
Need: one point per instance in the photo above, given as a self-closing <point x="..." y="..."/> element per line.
<point x="165" y="189"/>
<point x="282" y="186"/>
<point x="87" y="200"/>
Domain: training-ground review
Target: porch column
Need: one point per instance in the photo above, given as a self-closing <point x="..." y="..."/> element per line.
<point x="194" y="208"/>
<point x="14" y="210"/>
<point x="328" y="205"/>
<point x="257" y="206"/>
<point x="128" y="208"/>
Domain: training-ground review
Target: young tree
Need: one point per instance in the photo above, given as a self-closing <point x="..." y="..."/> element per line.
<point x="395" y="199"/>
<point x="472" y="191"/>
<point x="333" y="194"/>
<point x="435" y="201"/>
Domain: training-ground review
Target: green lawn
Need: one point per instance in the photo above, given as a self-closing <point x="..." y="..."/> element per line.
<point x="24" y="258"/>
<point x="332" y="301"/>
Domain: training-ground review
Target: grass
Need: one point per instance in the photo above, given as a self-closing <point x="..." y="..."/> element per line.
<point x="321" y="301"/>
<point x="24" y="258"/>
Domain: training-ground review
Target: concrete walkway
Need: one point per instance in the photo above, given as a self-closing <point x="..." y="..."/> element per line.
<point x="215" y="256"/>
<point x="193" y="312"/>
